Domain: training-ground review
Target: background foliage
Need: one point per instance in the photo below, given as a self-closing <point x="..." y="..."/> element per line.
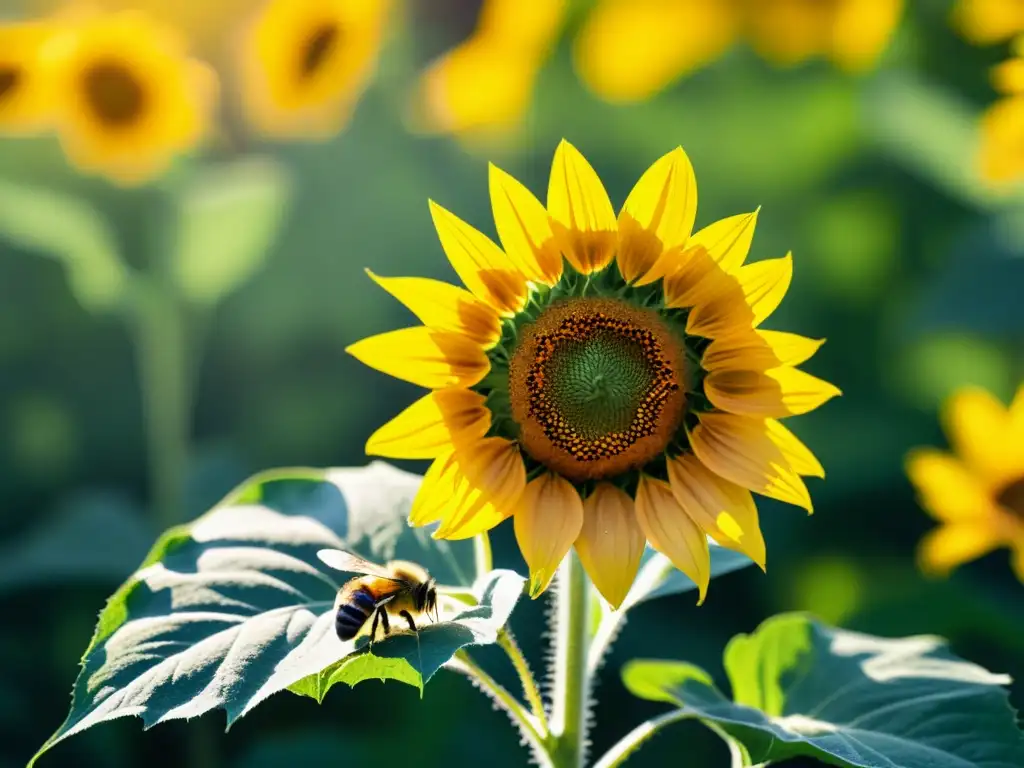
<point x="909" y="267"/>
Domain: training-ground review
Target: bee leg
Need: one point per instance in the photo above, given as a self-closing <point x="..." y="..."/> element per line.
<point x="408" y="617"/>
<point x="384" y="620"/>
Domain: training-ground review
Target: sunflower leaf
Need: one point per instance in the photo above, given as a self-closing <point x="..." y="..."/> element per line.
<point x="805" y="689"/>
<point x="236" y="606"/>
<point x="228" y="218"/>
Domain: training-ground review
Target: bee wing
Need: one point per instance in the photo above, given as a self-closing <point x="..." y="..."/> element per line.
<point x="346" y="561"/>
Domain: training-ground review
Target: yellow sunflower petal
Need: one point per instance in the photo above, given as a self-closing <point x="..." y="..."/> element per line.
<point x="444" y="307"/>
<point x="524" y="228"/>
<point x="765" y="284"/>
<point x="777" y="393"/>
<point x="490" y="485"/>
<point x="981" y="431"/>
<point x="946" y="488"/>
<point x="610" y="544"/>
<point x="988" y="21"/>
<point x="953" y="544"/>
<point x="581" y="213"/>
<point x="432" y="424"/>
<point x="728" y="240"/>
<point x="673" y="532"/>
<point x="739" y="449"/>
<point x="797" y="455"/>
<point x="726" y="511"/>
<point x="1008" y="77"/>
<point x="546" y="525"/>
<point x="428" y="358"/>
<point x="658" y="214"/>
<point x="436" y="490"/>
<point x="759" y="350"/>
<point x="1017" y="559"/>
<point x="482" y="265"/>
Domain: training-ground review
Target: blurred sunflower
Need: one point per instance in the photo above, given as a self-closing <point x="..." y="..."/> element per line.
<point x="306" y="62"/>
<point x="989" y="21"/>
<point x="604" y="380"/>
<point x="1002" y="125"/>
<point x="486" y="82"/>
<point x="977" y="492"/>
<point x="128" y="99"/>
<point x="25" y="96"/>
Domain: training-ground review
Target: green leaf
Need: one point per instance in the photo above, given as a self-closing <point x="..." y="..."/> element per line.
<point x="70" y="230"/>
<point x="236" y="606"/>
<point x="805" y="689"/>
<point x="228" y="219"/>
<point x="414" y="660"/>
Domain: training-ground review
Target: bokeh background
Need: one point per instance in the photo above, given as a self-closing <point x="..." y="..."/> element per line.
<point x="905" y="259"/>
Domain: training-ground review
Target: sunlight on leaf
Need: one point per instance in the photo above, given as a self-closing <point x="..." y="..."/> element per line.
<point x="804" y="689"/>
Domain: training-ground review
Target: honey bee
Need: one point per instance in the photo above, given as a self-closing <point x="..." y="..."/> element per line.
<point x="398" y="588"/>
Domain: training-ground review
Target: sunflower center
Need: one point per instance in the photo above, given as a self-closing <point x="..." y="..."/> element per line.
<point x="1011" y="497"/>
<point x="319" y="46"/>
<point x="9" y="79"/>
<point x="114" y="93"/>
<point x="596" y="387"/>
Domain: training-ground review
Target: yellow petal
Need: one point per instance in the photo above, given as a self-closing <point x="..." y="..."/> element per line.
<point x="765" y="284"/>
<point x="728" y="240"/>
<point x="953" y="544"/>
<point x="490" y="482"/>
<point x="547" y="523"/>
<point x="777" y="393"/>
<point x="722" y="509"/>
<point x="1017" y="559"/>
<point x="431" y="425"/>
<point x="739" y="449"/>
<point x="759" y="350"/>
<point x="432" y="359"/>
<point x="436" y="490"/>
<point x="610" y="544"/>
<point x="797" y="455"/>
<point x="581" y="213"/>
<point x="981" y="430"/>
<point x="947" y="488"/>
<point x="524" y="229"/>
<point x="988" y="21"/>
<point x="1008" y="77"/>
<point x="861" y="30"/>
<point x="672" y="532"/>
<point x="482" y="265"/>
<point x="658" y="214"/>
<point x="444" y="307"/>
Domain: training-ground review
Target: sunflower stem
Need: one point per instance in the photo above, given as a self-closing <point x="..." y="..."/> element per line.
<point x="636" y="738"/>
<point x="529" y="682"/>
<point x="571" y="677"/>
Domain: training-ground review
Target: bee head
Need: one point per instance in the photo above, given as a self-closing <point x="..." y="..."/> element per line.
<point x="427" y="597"/>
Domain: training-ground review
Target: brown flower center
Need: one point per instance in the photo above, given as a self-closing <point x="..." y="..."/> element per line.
<point x="10" y="77"/>
<point x="318" y="48"/>
<point x="1011" y="497"/>
<point x="596" y="388"/>
<point x="114" y="93"/>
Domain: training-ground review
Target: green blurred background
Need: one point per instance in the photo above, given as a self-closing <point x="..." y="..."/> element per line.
<point x="912" y="270"/>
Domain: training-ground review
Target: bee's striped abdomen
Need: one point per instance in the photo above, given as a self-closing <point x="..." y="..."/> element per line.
<point x="353" y="614"/>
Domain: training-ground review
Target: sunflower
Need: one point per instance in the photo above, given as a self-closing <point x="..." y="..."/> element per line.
<point x="25" y="97"/>
<point x="1002" y="125"/>
<point x="989" y="21"/>
<point x="128" y="98"/>
<point x="604" y="380"/>
<point x="306" y="62"/>
<point x="977" y="492"/>
<point x="486" y="82"/>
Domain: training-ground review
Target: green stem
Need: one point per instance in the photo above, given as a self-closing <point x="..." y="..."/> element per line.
<point x="633" y="740"/>
<point x="533" y="698"/>
<point x="160" y="330"/>
<point x="482" y="554"/>
<point x="526" y="723"/>
<point x="570" y="697"/>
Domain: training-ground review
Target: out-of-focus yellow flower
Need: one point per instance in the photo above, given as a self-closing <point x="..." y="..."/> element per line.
<point x="603" y="379"/>
<point x="976" y="492"/>
<point x="851" y="33"/>
<point x="26" y="98"/>
<point x="1002" y="125"/>
<point x="485" y="83"/>
<point x="989" y="21"/>
<point x="629" y="50"/>
<point x="306" y="62"/>
<point x="128" y="99"/>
